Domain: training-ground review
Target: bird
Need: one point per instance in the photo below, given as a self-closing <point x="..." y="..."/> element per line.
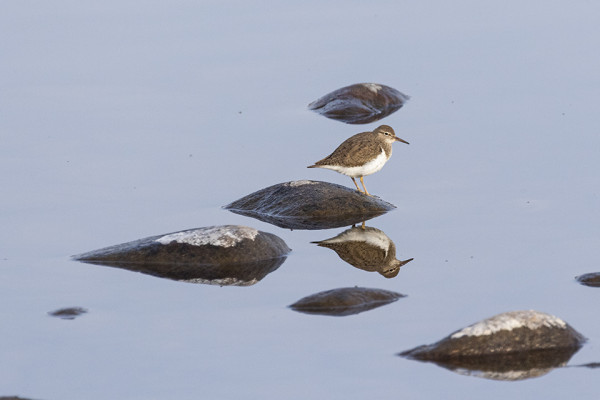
<point x="362" y="154"/>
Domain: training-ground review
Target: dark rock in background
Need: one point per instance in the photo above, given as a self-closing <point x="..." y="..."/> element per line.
<point x="360" y="103"/>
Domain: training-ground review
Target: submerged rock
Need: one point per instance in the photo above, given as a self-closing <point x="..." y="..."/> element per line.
<point x="509" y="346"/>
<point x="309" y="205"/>
<point x="360" y="103"/>
<point x="220" y="255"/>
<point x="366" y="248"/>
<point x="345" y="301"/>
<point x="68" y="313"/>
<point x="592" y="279"/>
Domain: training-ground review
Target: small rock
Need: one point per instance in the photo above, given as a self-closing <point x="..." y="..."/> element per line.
<point x="591" y="365"/>
<point x="68" y="313"/>
<point x="509" y="346"/>
<point x="360" y="103"/>
<point x="13" y="398"/>
<point x="309" y="205"/>
<point x="220" y="255"/>
<point x="592" y="279"/>
<point x="345" y="301"/>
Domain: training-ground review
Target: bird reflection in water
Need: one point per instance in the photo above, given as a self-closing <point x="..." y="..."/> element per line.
<point x="366" y="248"/>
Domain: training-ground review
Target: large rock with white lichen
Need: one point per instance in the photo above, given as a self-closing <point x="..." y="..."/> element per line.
<point x="309" y="204"/>
<point x="512" y="345"/>
<point x="224" y="255"/>
<point x="360" y="103"/>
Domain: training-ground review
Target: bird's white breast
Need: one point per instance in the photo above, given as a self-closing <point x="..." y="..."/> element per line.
<point x="363" y="170"/>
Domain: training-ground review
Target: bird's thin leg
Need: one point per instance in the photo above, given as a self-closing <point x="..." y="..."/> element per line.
<point x="363" y="226"/>
<point x="357" y="188"/>
<point x="363" y="185"/>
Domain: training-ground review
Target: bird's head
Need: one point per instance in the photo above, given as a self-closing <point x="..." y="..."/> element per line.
<point x="391" y="270"/>
<point x="388" y="134"/>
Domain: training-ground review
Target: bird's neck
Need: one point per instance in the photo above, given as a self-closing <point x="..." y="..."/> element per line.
<point x="387" y="148"/>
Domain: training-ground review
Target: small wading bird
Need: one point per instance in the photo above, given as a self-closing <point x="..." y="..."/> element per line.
<point x="362" y="154"/>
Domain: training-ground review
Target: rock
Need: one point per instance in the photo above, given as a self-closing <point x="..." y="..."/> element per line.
<point x="509" y="346"/>
<point x="592" y="365"/>
<point x="68" y="313"/>
<point x="309" y="205"/>
<point x="345" y="301"/>
<point x="13" y="398"/>
<point x="366" y="248"/>
<point x="220" y="255"/>
<point x="592" y="279"/>
<point x="360" y="103"/>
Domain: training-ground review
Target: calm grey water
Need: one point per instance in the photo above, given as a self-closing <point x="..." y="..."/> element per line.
<point x="122" y="120"/>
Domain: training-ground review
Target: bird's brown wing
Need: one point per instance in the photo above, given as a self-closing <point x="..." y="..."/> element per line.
<point x="354" y="151"/>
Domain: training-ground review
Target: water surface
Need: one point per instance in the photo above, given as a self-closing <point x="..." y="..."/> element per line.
<point x="119" y="122"/>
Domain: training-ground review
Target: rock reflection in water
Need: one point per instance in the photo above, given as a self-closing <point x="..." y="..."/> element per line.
<point x="244" y="274"/>
<point x="366" y="248"/>
<point x="510" y="367"/>
<point x="360" y="103"/>
<point x="345" y="301"/>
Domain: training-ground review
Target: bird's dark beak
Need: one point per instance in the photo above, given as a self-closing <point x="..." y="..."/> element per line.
<point x="401" y="140"/>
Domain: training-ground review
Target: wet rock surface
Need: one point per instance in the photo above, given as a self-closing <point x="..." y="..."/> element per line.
<point x="512" y="345"/>
<point x="366" y="248"/>
<point x="68" y="313"/>
<point x="592" y="279"/>
<point x="345" y="301"/>
<point x="220" y="255"/>
<point x="360" y="103"/>
<point x="309" y="205"/>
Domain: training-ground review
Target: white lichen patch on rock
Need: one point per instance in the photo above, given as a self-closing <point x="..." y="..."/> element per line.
<point x="373" y="87"/>
<point x="511" y="320"/>
<point x="221" y="236"/>
<point x="300" y="183"/>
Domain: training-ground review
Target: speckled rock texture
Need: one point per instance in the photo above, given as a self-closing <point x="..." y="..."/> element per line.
<point x="223" y="255"/>
<point x="309" y="204"/>
<point x="345" y="301"/>
<point x="361" y="103"/>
